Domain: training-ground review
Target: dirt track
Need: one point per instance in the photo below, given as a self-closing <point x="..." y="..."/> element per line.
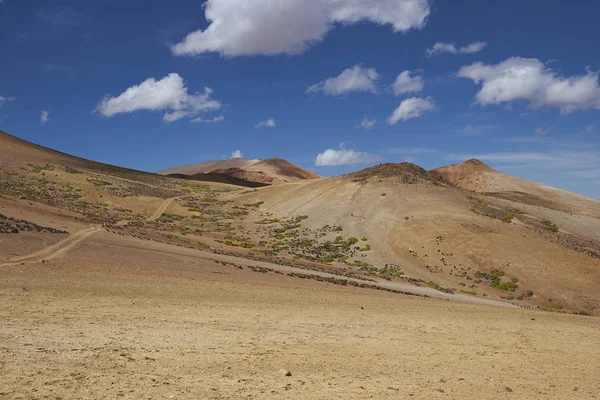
<point x="56" y="250"/>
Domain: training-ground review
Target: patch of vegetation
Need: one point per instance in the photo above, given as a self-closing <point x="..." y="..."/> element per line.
<point x="39" y="168"/>
<point x="506" y="286"/>
<point x="549" y="226"/>
<point x="477" y="199"/>
<point x="516" y="211"/>
<point x="432" y="284"/>
<point x="366" y="248"/>
<point x="340" y="241"/>
<point x="249" y="191"/>
<point x="267" y="221"/>
<point x="556" y="306"/>
<point x="498" y="273"/>
<point x="507" y="218"/>
<point x="471" y="292"/>
<point x="98" y="182"/>
<point x="389" y="270"/>
<point x="587" y="314"/>
<point x="255" y="205"/>
<point x="172" y="217"/>
<point x="383" y="194"/>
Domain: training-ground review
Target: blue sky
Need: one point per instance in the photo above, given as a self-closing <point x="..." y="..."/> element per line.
<point x="342" y="84"/>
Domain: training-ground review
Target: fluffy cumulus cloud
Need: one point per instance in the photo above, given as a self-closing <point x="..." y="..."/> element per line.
<point x="368" y="123"/>
<point x="244" y="27"/>
<point x="270" y="123"/>
<point x="237" y="154"/>
<point x="169" y="94"/>
<point x="331" y="157"/>
<point x="355" y="79"/>
<point x="530" y="80"/>
<point x="406" y="83"/>
<point x="411" y="108"/>
<point x="442" y="47"/>
<point x="44" y="117"/>
<point x="539" y="131"/>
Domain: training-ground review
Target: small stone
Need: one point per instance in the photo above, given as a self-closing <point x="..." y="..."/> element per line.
<point x="285" y="372"/>
<point x="509" y="390"/>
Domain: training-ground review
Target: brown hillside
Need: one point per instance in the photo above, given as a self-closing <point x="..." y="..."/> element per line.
<point x="271" y="171"/>
<point x="401" y="172"/>
<point x="478" y="177"/>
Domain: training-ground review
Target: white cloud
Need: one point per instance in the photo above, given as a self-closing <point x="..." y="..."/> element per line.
<point x="528" y="79"/>
<point x="331" y="157"/>
<point x="411" y="108"/>
<point x="367" y="123"/>
<point x="442" y="47"/>
<point x="405" y="83"/>
<point x="5" y="100"/>
<point x="44" y="117"/>
<point x="270" y="123"/>
<point x="355" y="79"/>
<point x="540" y="131"/>
<point x="220" y="118"/>
<point x="590" y="128"/>
<point x="168" y="94"/>
<point x="237" y="154"/>
<point x="245" y="27"/>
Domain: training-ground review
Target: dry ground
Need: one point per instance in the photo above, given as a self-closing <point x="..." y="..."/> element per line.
<point x="103" y="322"/>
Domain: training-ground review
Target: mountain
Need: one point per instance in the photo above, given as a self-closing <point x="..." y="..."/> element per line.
<point x="269" y="171"/>
<point x="478" y="177"/>
<point x="454" y="238"/>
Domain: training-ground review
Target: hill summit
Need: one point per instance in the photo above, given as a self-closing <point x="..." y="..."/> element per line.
<point x="269" y="171"/>
<point x="405" y="172"/>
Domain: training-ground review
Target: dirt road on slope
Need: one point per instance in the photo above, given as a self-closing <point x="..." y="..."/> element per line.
<point x="55" y="250"/>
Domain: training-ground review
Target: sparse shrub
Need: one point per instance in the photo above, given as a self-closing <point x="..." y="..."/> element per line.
<point x="255" y="205"/>
<point x="98" y="182"/>
<point x="556" y="306"/>
<point x="267" y="221"/>
<point x="549" y="226"/>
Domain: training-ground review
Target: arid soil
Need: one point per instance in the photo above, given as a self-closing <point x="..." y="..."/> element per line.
<point x="102" y="322"/>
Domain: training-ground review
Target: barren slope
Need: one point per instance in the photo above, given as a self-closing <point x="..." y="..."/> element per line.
<point x="270" y="171"/>
<point x="447" y="237"/>
<point x="476" y="176"/>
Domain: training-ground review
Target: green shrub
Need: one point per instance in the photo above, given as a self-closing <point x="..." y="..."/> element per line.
<point x="549" y="226"/>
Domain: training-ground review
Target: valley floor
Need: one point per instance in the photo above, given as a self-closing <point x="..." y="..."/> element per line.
<point x="114" y="319"/>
